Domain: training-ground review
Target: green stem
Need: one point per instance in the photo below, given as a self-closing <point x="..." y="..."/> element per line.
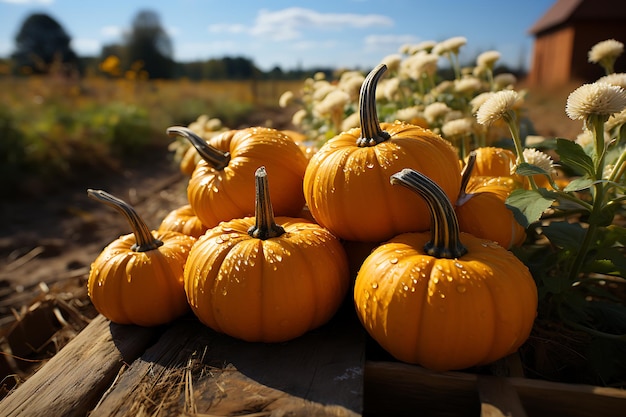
<point x="145" y="241"/>
<point x="371" y="133"/>
<point x="445" y="241"/>
<point x="511" y="121"/>
<point x="265" y="226"/>
<point x="213" y="156"/>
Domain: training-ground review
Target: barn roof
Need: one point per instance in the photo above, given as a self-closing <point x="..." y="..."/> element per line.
<point x="563" y="11"/>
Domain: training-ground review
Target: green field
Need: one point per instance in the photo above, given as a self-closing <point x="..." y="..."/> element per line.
<point x="50" y="128"/>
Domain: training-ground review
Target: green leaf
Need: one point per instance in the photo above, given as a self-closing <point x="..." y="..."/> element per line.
<point x="528" y="205"/>
<point x="578" y="184"/>
<point x="528" y="170"/>
<point x="565" y="235"/>
<point x="574" y="156"/>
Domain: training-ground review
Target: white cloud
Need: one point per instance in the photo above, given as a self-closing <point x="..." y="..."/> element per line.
<point x="387" y="42"/>
<point x="86" y="46"/>
<point x="189" y="51"/>
<point x="228" y="28"/>
<point x="112" y="31"/>
<point x="287" y="24"/>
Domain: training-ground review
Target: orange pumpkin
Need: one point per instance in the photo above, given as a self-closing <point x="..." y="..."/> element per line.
<point x="482" y="212"/>
<point x="346" y="184"/>
<point x="183" y="220"/>
<point x="266" y="279"/>
<point x="444" y="300"/>
<point x="138" y="278"/>
<point x="221" y="187"/>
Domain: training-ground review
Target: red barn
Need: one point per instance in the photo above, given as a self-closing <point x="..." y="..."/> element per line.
<point x="565" y="34"/>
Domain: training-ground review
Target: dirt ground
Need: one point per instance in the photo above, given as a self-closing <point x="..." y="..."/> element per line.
<point x="47" y="244"/>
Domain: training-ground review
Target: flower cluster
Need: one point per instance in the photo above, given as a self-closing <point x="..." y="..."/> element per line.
<point x="413" y="91"/>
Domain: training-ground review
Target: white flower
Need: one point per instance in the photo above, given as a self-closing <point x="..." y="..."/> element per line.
<point x="488" y="59"/>
<point x="458" y="127"/>
<point x="408" y="114"/>
<point x="618" y="79"/>
<point x="478" y="101"/>
<point x="536" y="157"/>
<point x="321" y="89"/>
<point x="435" y="111"/>
<point x="467" y="85"/>
<point x="392" y="62"/>
<point x="351" y="121"/>
<point x="334" y="100"/>
<point x="351" y="82"/>
<point x="420" y="64"/>
<point x="426" y="46"/>
<point x="285" y="99"/>
<point x="605" y="50"/>
<point x="618" y="119"/>
<point x="298" y="117"/>
<point x="504" y="80"/>
<point x="497" y="106"/>
<point x="449" y="46"/>
<point x="595" y="99"/>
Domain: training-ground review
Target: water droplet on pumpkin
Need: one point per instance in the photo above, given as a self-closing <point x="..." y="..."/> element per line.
<point x="370" y="165"/>
<point x="393" y="261"/>
<point x="461" y="289"/>
<point x="374" y="285"/>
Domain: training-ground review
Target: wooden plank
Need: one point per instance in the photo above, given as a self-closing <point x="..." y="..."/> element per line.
<point x="398" y="389"/>
<point x="72" y="381"/>
<point x="194" y="370"/>
<point x="544" y="398"/>
<point x="498" y="398"/>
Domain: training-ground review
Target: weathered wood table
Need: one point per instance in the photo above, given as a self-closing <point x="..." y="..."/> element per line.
<point x="186" y="369"/>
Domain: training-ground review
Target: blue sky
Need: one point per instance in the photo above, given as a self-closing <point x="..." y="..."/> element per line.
<point x="291" y="34"/>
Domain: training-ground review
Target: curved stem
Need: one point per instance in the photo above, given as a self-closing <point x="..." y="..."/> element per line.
<point x="371" y="133"/>
<point x="467" y="173"/>
<point x="145" y="241"/>
<point x="445" y="241"/>
<point x="265" y="227"/>
<point x="213" y="156"/>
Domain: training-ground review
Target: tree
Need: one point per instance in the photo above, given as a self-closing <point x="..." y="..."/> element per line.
<point x="148" y="44"/>
<point x="42" y="42"/>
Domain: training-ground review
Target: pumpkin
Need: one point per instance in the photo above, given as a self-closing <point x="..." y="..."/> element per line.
<point x="346" y="184"/>
<point x="221" y="187"/>
<point x="482" y="211"/>
<point x="266" y="278"/>
<point x="183" y="220"/>
<point x="138" y="278"/>
<point x="492" y="161"/>
<point x="445" y="300"/>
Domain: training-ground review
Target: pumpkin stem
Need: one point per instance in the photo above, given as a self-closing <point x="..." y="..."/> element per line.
<point x="371" y="133"/>
<point x="213" y="156"/>
<point x="265" y="227"/>
<point x="145" y="241"/>
<point x="445" y="241"/>
<point x="465" y="178"/>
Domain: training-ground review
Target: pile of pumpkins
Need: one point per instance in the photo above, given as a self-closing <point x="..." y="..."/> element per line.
<point x="265" y="249"/>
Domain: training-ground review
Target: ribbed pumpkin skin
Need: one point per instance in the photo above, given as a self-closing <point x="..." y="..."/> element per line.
<point x="445" y="314"/>
<point x="142" y="288"/>
<point x="270" y="290"/>
<point x="347" y="187"/>
<point x="223" y="195"/>
<point x="485" y="215"/>
<point x="493" y="162"/>
<point x="483" y="212"/>
<point x="183" y="220"/>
